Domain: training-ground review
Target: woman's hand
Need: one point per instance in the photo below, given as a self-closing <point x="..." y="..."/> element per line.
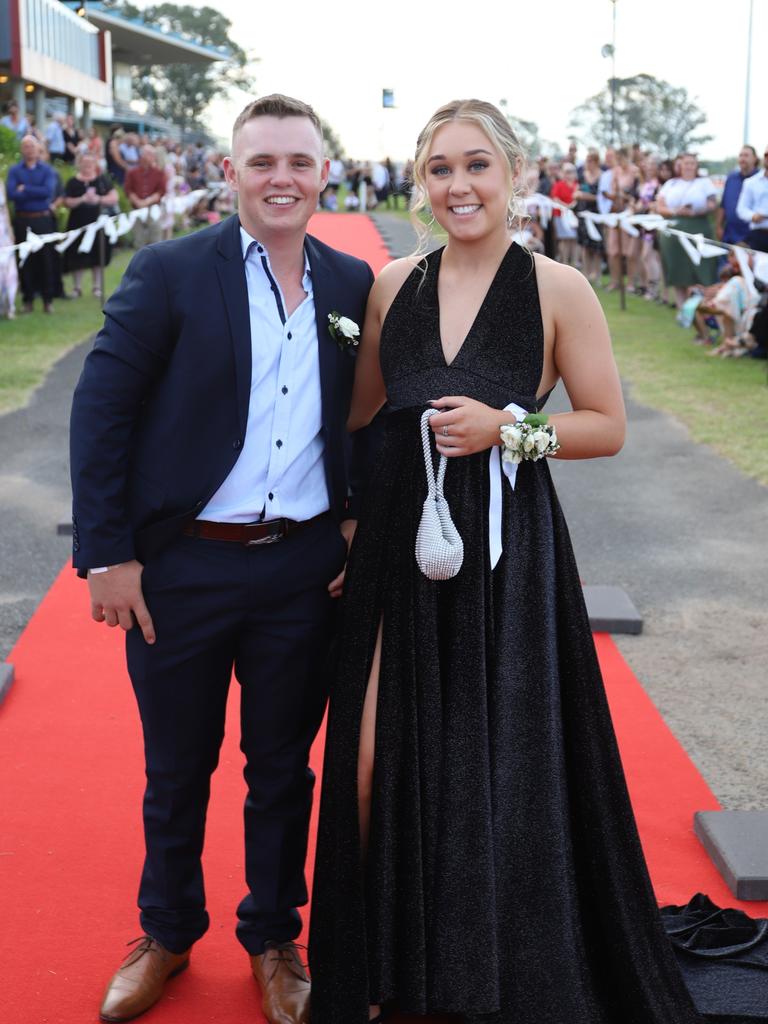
<point x="465" y="426"/>
<point x="336" y="586"/>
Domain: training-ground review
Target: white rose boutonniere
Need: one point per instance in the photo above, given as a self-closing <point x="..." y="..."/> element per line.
<point x="344" y="331"/>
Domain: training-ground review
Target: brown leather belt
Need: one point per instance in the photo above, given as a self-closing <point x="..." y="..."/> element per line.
<point x="249" y="534"/>
<point x="34" y="213"/>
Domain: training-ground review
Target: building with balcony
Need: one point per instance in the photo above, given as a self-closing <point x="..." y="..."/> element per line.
<point x="46" y="50"/>
<point x="135" y="43"/>
<point x="58" y="55"/>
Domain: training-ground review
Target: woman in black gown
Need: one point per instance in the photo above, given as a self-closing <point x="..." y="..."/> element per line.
<point x="87" y="195"/>
<point x="477" y="852"/>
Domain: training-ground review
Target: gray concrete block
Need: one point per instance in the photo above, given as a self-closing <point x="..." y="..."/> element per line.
<point x="64" y="529"/>
<point x="611" y="611"/>
<point x="6" y="679"/>
<point x="737" y="842"/>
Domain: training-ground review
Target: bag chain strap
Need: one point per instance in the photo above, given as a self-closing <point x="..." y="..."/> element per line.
<point x="435" y="486"/>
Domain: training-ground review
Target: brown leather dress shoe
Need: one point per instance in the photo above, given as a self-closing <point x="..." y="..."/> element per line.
<point x="138" y="983"/>
<point x="284" y="983"/>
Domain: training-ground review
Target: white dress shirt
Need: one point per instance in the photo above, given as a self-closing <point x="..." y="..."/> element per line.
<point x="679" y="192"/>
<point x="279" y="471"/>
<point x="605" y="184"/>
<point x="754" y="199"/>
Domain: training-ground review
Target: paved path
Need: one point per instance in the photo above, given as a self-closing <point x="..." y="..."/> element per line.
<point x="675" y="525"/>
<point x="35" y="497"/>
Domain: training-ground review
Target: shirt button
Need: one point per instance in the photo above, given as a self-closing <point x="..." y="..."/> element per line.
<point x="289" y="335"/>
<point x="259" y="249"/>
<point x="271" y="496"/>
<point x="279" y="443"/>
<point x="285" y="390"/>
<point x="237" y="444"/>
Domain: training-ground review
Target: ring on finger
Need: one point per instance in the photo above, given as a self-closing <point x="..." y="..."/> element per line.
<point x="445" y="431"/>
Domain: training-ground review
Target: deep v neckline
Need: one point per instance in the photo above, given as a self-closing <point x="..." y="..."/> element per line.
<point x="468" y="336"/>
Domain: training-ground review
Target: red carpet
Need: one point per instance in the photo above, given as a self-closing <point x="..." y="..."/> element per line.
<point x="70" y="827"/>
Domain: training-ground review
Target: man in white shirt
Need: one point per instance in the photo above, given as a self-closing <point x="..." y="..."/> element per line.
<point x="54" y="137"/>
<point x="212" y="516"/>
<point x="753" y="208"/>
<point x="605" y="184"/>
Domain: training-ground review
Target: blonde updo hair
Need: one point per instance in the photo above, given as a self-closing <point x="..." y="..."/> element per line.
<point x="490" y="120"/>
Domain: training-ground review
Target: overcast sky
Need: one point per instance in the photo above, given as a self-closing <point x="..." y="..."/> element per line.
<point x="542" y="57"/>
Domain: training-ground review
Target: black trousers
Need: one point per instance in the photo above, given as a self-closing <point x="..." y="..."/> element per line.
<point x="38" y="275"/>
<point x="757" y="239"/>
<point x="265" y="611"/>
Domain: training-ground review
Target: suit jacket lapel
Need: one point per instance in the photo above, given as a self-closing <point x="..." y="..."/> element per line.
<point x="231" y="271"/>
<point x="326" y="299"/>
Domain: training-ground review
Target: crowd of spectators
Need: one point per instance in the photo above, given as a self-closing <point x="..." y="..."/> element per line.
<point x="86" y="174"/>
<point x="714" y="295"/>
<point x="367" y="184"/>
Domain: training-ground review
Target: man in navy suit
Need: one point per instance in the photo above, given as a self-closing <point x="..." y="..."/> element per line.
<point x="212" y="514"/>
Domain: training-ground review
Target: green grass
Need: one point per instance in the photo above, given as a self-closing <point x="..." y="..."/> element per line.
<point x="717" y="399"/>
<point x="33" y="342"/>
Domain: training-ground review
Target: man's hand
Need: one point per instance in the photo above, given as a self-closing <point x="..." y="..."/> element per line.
<point x="348" y="527"/>
<point x="117" y="599"/>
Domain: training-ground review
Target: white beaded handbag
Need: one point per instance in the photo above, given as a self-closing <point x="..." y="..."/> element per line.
<point x="439" y="548"/>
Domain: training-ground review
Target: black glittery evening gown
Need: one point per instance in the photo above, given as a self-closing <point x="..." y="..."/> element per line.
<point x="505" y="879"/>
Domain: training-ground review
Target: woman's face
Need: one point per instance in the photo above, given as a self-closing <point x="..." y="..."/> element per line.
<point x="689" y="167"/>
<point x="467" y="181"/>
<point x="87" y="167"/>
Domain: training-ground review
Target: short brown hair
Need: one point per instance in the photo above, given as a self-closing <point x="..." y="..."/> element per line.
<point x="276" y="105"/>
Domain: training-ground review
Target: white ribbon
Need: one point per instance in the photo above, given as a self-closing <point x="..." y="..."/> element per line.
<point x="589" y="221"/>
<point x="495" y="465"/>
<point x="114" y="226"/>
<point x="123" y="225"/>
<point x="691" y="251"/>
<point x="708" y="250"/>
<point x="89" y="236"/>
<point x="760" y="265"/>
<point x="70" y="237"/>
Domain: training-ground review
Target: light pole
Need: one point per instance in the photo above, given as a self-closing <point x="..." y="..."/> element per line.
<point x="745" y="137"/>
<point x="609" y="50"/>
<point x="613" y="77"/>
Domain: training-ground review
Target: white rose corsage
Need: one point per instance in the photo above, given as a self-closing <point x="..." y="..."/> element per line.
<point x="528" y="440"/>
<point x="344" y="331"/>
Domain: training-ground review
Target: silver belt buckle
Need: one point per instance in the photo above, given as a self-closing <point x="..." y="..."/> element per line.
<point x="271" y="538"/>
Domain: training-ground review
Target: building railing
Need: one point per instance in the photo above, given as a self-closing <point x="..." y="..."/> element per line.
<point x="51" y="29"/>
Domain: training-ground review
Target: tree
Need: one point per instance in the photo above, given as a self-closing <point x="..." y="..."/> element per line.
<point x="181" y="92"/>
<point x="332" y="140"/>
<point x="648" y="111"/>
<point x="527" y="133"/>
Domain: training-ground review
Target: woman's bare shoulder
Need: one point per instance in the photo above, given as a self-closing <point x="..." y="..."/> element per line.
<point x="397" y="272"/>
<point x="559" y="282"/>
<point x="391" y="279"/>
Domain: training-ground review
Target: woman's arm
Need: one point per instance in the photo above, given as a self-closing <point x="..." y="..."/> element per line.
<point x="661" y="205"/>
<point x="368" y="392"/>
<point x="582" y="356"/>
<point x="110" y="197"/>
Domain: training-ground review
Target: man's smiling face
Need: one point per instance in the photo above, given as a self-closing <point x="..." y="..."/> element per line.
<point x="278" y="170"/>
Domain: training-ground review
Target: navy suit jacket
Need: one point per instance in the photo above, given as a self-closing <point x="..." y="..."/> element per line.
<point x="159" y="413"/>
